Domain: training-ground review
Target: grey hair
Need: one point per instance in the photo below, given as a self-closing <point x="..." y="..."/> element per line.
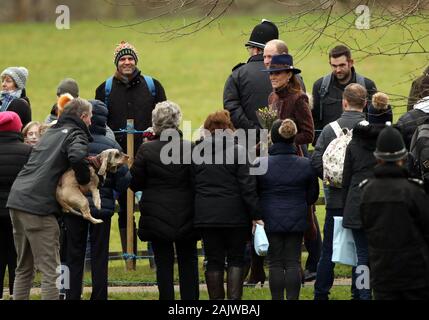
<point x="77" y="107"/>
<point x="166" y="115"/>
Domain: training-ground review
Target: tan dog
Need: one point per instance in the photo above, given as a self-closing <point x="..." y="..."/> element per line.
<point x="71" y="195"/>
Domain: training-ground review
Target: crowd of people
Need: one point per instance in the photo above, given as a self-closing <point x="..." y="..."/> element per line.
<point x="381" y="198"/>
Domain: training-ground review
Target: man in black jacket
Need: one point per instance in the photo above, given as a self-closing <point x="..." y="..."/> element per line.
<point x="247" y="88"/>
<point x="396" y="222"/>
<point x="328" y="90"/>
<point x="128" y="95"/>
<point x="32" y="201"/>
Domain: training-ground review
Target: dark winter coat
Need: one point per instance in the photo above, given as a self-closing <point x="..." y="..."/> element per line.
<point x="358" y="165"/>
<point x="118" y="181"/>
<point x="419" y="89"/>
<point x="347" y="120"/>
<point x="21" y="106"/>
<point x="332" y="102"/>
<point x="395" y="219"/>
<point x="14" y="155"/>
<point x="408" y="123"/>
<point x="132" y="100"/>
<point x="63" y="146"/>
<point x="294" y="106"/>
<point x="167" y="202"/>
<point x="225" y="194"/>
<point x="246" y="90"/>
<point x="286" y="190"/>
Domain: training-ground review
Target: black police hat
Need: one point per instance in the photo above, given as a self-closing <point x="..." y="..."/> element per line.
<point x="262" y="33"/>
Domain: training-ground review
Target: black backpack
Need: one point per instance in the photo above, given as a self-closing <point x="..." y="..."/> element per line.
<point x="419" y="153"/>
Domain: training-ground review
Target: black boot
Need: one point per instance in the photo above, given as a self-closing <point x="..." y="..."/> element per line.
<point x="234" y="283"/>
<point x="257" y="272"/>
<point x="215" y="287"/>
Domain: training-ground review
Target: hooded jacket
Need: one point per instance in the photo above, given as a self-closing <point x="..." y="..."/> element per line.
<point x="395" y="219"/>
<point x="409" y="121"/>
<point x="63" y="146"/>
<point x="359" y="165"/>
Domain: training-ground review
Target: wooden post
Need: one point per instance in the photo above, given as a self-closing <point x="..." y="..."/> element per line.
<point x="131" y="265"/>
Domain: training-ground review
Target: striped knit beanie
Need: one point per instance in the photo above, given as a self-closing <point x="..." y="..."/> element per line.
<point x="124" y="49"/>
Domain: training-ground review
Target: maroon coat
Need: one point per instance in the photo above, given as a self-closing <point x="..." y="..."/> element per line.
<point x="294" y="106"/>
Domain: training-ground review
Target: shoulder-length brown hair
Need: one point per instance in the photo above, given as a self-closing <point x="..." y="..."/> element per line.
<point x="218" y="120"/>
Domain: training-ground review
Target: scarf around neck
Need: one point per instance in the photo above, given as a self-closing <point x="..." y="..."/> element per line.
<point x="6" y="97"/>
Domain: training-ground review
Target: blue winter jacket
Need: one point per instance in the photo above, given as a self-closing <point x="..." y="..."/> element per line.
<point x="287" y="189"/>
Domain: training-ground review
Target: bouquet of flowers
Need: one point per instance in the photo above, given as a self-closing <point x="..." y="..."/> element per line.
<point x="266" y="117"/>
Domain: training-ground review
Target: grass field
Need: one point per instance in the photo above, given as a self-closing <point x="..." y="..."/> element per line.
<point x="192" y="70"/>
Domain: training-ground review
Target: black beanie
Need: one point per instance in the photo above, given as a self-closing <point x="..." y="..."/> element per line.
<point x="390" y="145"/>
<point x="283" y="131"/>
<point x="262" y="33"/>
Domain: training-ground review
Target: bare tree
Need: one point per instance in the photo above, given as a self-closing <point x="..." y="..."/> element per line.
<point x="206" y="12"/>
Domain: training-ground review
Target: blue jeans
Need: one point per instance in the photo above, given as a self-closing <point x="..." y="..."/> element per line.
<point x="363" y="260"/>
<point x="325" y="267"/>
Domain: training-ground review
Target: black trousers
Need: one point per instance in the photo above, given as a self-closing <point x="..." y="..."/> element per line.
<point x="284" y="254"/>
<point x="77" y="233"/>
<point x="415" y="294"/>
<point x="221" y="243"/>
<point x="187" y="259"/>
<point x="7" y="253"/>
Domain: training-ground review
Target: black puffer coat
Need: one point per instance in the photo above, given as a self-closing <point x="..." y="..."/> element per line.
<point x="167" y="203"/>
<point x="359" y="165"/>
<point x="225" y="194"/>
<point x="14" y="155"/>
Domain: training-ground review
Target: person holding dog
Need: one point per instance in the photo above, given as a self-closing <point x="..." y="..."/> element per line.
<point x="99" y="234"/>
<point x="32" y="200"/>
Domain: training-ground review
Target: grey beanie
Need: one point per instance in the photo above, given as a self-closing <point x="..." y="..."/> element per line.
<point x="70" y="86"/>
<point x="18" y="74"/>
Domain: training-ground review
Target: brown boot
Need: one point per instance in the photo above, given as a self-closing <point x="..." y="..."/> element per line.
<point x="234" y="283"/>
<point x="215" y="286"/>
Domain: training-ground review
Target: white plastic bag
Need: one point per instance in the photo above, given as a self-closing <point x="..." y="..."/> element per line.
<point x="260" y="241"/>
<point x="343" y="244"/>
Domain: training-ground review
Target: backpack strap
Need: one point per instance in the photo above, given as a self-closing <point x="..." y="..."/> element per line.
<point x="323" y="91"/>
<point x="107" y="90"/>
<point x="151" y="85"/>
<point x="360" y="80"/>
<point x="336" y="127"/>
